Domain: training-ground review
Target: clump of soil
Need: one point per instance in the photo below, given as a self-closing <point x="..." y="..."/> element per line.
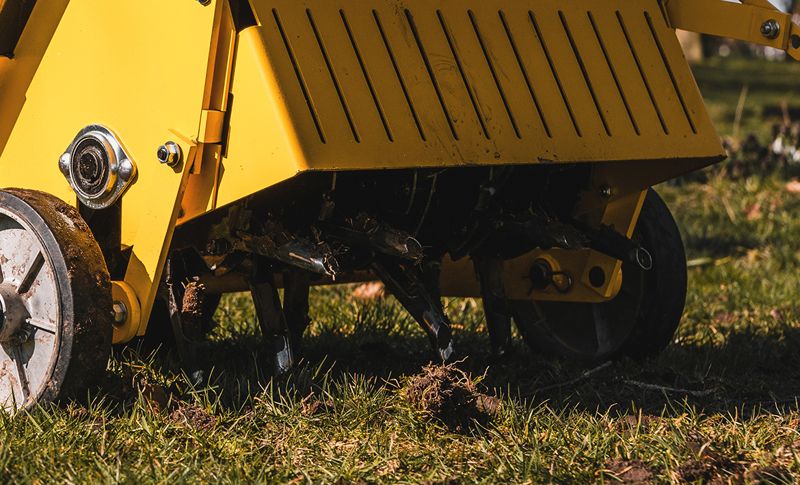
<point x="628" y="471"/>
<point x="193" y="416"/>
<point x="710" y="466"/>
<point x="312" y="406"/>
<point x="193" y="297"/>
<point x="631" y="425"/>
<point x="450" y="396"/>
<point x="770" y="474"/>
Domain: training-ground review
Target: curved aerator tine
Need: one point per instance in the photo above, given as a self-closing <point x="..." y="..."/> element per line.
<point x="406" y="282"/>
<point x="495" y="306"/>
<point x="274" y="326"/>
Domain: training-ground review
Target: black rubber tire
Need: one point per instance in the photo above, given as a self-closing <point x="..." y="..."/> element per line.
<point x="646" y="313"/>
<point x="84" y="287"/>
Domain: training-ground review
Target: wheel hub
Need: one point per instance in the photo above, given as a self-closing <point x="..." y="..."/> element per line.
<point x="13" y="313"/>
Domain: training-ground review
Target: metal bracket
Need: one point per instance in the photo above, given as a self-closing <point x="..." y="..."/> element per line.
<point x="756" y="21"/>
<point x="97" y="167"/>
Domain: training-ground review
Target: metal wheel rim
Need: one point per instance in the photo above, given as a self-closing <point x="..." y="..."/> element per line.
<point x="612" y="322"/>
<point x="27" y="276"/>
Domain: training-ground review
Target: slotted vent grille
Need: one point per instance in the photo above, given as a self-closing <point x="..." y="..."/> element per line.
<point x="482" y="77"/>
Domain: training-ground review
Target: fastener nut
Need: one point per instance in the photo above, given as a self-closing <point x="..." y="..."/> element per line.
<point x="771" y="29"/>
<point x="120" y="312"/>
<point x="170" y="154"/>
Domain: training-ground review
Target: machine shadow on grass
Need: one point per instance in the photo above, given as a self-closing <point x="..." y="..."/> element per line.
<point x="749" y="372"/>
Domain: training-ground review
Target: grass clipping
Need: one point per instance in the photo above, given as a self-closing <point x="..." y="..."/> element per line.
<point x="448" y="395"/>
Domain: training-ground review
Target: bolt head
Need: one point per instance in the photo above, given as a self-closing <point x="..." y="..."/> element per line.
<point x="771" y="29"/>
<point x="606" y="191"/>
<point x="125" y="169"/>
<point x="169" y="154"/>
<point x="64" y="162"/>
<point x="120" y="312"/>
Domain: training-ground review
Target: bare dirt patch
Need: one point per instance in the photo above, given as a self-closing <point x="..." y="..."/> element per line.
<point x="628" y="471"/>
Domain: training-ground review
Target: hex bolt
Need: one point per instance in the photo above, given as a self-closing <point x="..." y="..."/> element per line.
<point x="606" y="191"/>
<point x="204" y="2"/>
<point x="120" y="312"/>
<point x="771" y="29"/>
<point x="170" y="154"/>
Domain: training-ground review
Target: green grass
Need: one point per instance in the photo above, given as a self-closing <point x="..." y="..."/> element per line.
<point x="769" y="85"/>
<point x="719" y="404"/>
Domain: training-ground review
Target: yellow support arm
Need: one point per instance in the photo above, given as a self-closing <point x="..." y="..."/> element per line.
<point x="756" y="21"/>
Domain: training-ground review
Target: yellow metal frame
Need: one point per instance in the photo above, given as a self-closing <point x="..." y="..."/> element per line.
<point x="742" y="22"/>
<point x="62" y="79"/>
<point x="332" y="85"/>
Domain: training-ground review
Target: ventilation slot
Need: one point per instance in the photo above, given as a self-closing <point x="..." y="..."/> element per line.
<point x="494" y="73"/>
<point x="367" y="79"/>
<point x="524" y="72"/>
<point x="332" y="73"/>
<point x="472" y="96"/>
<point x="432" y="77"/>
<point x="397" y="73"/>
<point x="614" y="74"/>
<point x="642" y="73"/>
<point x="299" y="75"/>
<point x="584" y="72"/>
<point x="668" y="67"/>
<point x="546" y="51"/>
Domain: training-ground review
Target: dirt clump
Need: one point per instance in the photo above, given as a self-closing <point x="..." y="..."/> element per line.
<point x="193" y="297"/>
<point x="637" y="424"/>
<point x="628" y="471"/>
<point x="313" y="406"/>
<point x="770" y="474"/>
<point x="193" y="416"/>
<point x="448" y="395"/>
<point x="710" y="466"/>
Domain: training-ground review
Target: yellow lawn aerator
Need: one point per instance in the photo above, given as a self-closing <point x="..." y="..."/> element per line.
<point x="160" y="153"/>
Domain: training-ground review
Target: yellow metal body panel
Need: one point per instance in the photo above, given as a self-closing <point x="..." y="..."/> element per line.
<point x="138" y="67"/>
<point x="16" y="74"/>
<point x="340" y="85"/>
<point x="262" y="148"/>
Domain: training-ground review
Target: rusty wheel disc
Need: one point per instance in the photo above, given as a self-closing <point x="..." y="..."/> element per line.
<point x="55" y="320"/>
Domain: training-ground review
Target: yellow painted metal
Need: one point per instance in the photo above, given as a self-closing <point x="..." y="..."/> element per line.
<point x="201" y="192"/>
<point x="262" y="148"/>
<point x="384" y="85"/>
<point x="139" y="67"/>
<point x="123" y="293"/>
<point x="620" y="211"/>
<point x="16" y="74"/>
<point x="743" y="22"/>
<point x="377" y="84"/>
